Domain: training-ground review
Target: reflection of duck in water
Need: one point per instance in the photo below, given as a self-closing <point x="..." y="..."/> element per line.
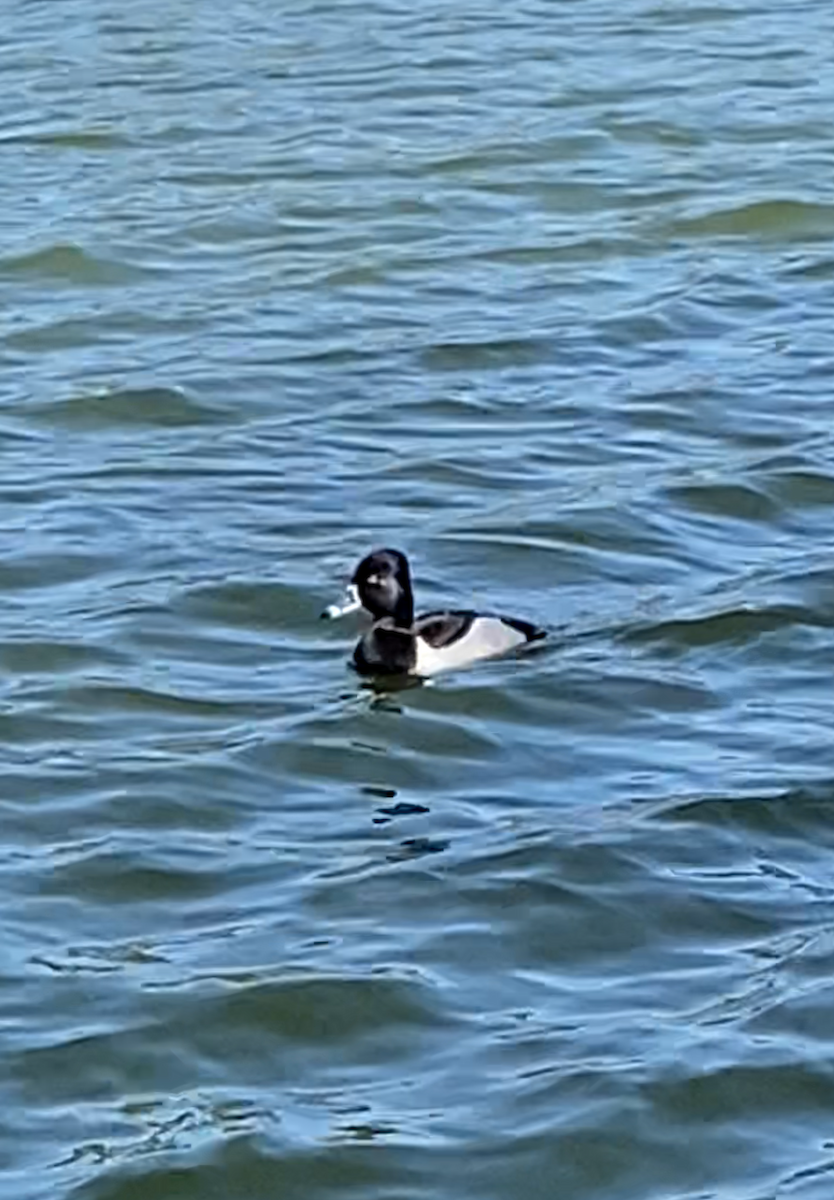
<point x="397" y="644"/>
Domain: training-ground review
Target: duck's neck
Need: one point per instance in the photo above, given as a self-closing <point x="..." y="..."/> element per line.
<point x="404" y="612"/>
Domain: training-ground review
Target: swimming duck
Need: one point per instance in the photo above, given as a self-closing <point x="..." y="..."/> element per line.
<point x="397" y="644"/>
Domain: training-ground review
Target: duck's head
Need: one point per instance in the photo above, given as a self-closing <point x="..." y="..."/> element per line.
<point x="381" y="584"/>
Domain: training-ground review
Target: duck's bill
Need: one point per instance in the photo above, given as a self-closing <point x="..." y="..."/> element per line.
<point x="351" y="604"/>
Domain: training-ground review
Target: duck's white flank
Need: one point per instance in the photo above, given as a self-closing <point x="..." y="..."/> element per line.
<point x="487" y="637"/>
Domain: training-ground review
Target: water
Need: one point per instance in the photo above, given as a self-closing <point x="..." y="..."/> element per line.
<point x="541" y="295"/>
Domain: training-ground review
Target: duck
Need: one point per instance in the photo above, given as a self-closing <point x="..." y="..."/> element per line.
<point x="399" y="644"/>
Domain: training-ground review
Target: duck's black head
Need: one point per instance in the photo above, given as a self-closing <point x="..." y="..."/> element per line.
<point x="383" y="583"/>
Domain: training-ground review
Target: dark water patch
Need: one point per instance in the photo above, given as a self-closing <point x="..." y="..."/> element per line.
<point x="466" y="356"/>
<point x="217" y="178"/>
<point x="588" y="537"/>
<point x="118" y="878"/>
<point x="781" y="220"/>
<point x="723" y="1094"/>
<point x="43" y="571"/>
<point x="630" y="129"/>
<point x="423" y="476"/>
<point x="819" y="270"/>
<point x="737" y="501"/>
<point x="799" y="488"/>
<point x="804" y="816"/>
<point x="37" y="656"/>
<point x="100" y="140"/>
<point x="352" y="754"/>
<point x="248" y="604"/>
<point x="96" y="327"/>
<point x="738" y="626"/>
<point x="111" y="697"/>
<point x="698" y="14"/>
<point x="73" y="266"/>
<point x="150" y="407"/>
<point x="321" y="1011"/>
<point x="350" y="1169"/>
<point x="63" y="335"/>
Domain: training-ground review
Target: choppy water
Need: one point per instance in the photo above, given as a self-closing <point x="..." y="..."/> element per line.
<point x="542" y="294"/>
